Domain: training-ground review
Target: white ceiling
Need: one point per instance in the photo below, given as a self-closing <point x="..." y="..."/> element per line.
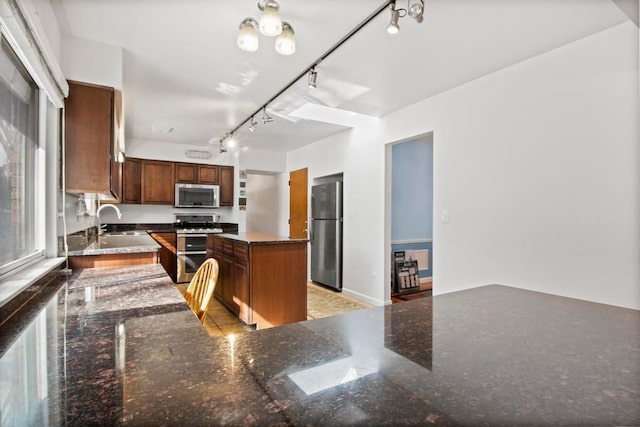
<point x="182" y="68"/>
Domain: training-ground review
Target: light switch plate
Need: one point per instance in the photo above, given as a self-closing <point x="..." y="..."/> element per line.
<point x="444" y="216"/>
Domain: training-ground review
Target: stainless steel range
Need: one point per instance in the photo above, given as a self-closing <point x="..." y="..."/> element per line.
<point x="191" y="242"/>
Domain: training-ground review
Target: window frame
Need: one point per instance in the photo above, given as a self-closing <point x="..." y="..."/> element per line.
<point x="38" y="213"/>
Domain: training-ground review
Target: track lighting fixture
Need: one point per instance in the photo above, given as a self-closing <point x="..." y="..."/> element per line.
<point x="415" y="9"/>
<point x="285" y="45"/>
<point x="313" y="78"/>
<point x="393" y="27"/>
<point x="266" y="118"/>
<point x="270" y="25"/>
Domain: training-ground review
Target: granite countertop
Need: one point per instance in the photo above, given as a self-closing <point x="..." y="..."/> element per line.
<point x="228" y="227"/>
<point x="261" y="238"/>
<point x="133" y="242"/>
<point x="122" y="347"/>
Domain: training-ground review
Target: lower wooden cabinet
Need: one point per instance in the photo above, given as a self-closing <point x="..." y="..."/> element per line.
<point x="167" y="254"/>
<point x="262" y="283"/>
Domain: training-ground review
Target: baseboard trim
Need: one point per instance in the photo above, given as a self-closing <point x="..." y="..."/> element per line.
<point x="362" y="297"/>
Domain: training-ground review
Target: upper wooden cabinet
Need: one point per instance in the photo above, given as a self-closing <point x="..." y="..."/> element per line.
<point x="157" y="182"/>
<point x="132" y="180"/>
<point x="152" y="181"/>
<point x="92" y="142"/>
<point x="208" y="174"/>
<point x="192" y="173"/>
<point x="186" y="172"/>
<point x="226" y="185"/>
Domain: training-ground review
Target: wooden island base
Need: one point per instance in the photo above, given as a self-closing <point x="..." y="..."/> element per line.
<point x="263" y="278"/>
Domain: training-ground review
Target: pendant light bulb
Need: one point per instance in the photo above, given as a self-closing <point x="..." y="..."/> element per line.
<point x="248" y="35"/>
<point x="393" y="27"/>
<point x="286" y="42"/>
<point x="270" y="23"/>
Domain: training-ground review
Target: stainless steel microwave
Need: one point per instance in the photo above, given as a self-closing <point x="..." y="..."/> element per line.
<point x="197" y="196"/>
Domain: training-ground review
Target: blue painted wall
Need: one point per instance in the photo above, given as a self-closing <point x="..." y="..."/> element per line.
<point x="412" y="197"/>
<point x="412" y="191"/>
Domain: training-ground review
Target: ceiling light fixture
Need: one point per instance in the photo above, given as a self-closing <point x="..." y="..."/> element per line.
<point x="313" y="78"/>
<point x="286" y="42"/>
<point x="415" y="9"/>
<point x="270" y="22"/>
<point x="310" y="71"/>
<point x="248" y="35"/>
<point x="266" y="118"/>
<point x="253" y="125"/>
<point x="231" y="142"/>
<point x="393" y="27"/>
<point x="270" y="25"/>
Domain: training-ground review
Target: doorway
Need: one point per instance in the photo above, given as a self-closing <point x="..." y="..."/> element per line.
<point x="411" y="211"/>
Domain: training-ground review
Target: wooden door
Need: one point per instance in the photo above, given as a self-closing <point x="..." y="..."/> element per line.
<point x="298" y="204"/>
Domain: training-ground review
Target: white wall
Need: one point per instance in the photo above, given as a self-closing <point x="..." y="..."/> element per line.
<point x="355" y="153"/>
<point x="104" y="66"/>
<point x="263" y="203"/>
<point x="263" y="161"/>
<point x="537" y="165"/>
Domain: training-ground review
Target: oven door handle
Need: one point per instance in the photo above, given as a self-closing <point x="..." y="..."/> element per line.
<point x="192" y="253"/>
<point x="187" y="235"/>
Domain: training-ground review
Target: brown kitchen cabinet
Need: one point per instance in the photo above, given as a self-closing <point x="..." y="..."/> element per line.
<point x="157" y="182"/>
<point x="226" y="185"/>
<point x="262" y="278"/>
<point x="131" y="186"/>
<point x="92" y="123"/>
<point x="167" y="253"/>
<point x="186" y="173"/>
<point x="193" y="173"/>
<point x="152" y="181"/>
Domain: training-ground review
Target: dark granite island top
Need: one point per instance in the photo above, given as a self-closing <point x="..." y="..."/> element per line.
<point x="119" y="346"/>
<point x="254" y="238"/>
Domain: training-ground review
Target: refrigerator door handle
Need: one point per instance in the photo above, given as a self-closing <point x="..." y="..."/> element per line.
<point x="311" y="231"/>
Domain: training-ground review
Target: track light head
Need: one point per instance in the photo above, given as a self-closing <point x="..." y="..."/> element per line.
<point x="416" y="11"/>
<point x="393" y="27"/>
<point x="252" y="126"/>
<point x="266" y="118"/>
<point x="313" y="79"/>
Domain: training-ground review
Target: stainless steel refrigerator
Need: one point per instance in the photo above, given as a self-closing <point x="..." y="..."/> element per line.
<point x="325" y="234"/>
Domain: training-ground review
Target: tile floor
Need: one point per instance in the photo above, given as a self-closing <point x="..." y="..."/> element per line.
<point x="321" y="302"/>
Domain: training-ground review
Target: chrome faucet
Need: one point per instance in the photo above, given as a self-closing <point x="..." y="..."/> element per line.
<point x="100" y="230"/>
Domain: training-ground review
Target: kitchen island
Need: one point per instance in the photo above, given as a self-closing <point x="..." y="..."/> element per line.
<point x="120" y="346"/>
<point x="263" y="277"/>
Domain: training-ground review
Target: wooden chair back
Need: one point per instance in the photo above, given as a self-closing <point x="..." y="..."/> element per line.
<point x="201" y="288"/>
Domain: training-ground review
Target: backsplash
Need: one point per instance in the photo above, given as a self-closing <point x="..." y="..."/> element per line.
<point x="152" y="214"/>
